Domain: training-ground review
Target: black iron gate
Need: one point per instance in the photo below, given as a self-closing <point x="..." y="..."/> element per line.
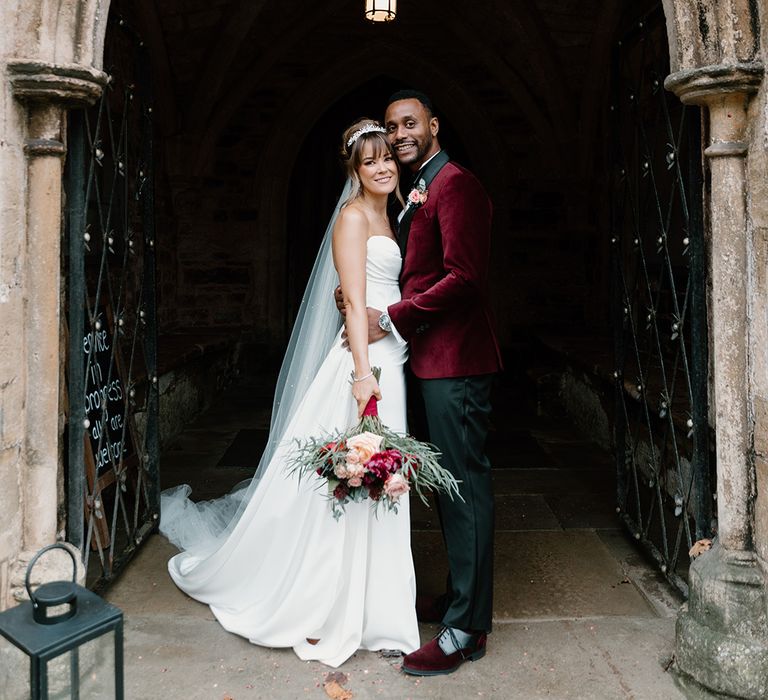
<point x="112" y="471"/>
<point x="662" y="435"/>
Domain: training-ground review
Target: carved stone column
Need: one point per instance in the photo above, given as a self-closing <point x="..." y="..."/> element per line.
<point x="46" y="90"/>
<point x="722" y="637"/>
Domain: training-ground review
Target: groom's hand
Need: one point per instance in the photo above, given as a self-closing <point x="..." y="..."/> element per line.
<point x="338" y="297"/>
<point x="374" y="330"/>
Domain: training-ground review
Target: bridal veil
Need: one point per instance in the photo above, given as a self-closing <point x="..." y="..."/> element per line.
<point x="199" y="528"/>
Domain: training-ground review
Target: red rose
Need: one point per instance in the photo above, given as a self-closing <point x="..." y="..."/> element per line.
<point x="325" y="449"/>
<point x="384" y="463"/>
<point x="341" y="492"/>
<point x="378" y="471"/>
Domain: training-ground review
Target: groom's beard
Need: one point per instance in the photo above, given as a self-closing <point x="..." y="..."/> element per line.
<point x="422" y="148"/>
<point x="408" y="178"/>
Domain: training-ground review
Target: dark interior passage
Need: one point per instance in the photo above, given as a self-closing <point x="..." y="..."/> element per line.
<point x="250" y="104"/>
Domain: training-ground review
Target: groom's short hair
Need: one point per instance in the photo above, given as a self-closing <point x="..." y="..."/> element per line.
<point x="409" y="94"/>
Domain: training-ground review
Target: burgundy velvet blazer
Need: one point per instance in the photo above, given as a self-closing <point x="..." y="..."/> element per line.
<point x="445" y="313"/>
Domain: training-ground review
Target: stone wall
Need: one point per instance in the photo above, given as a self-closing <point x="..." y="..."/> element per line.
<point x="216" y="251"/>
<point x="13" y="339"/>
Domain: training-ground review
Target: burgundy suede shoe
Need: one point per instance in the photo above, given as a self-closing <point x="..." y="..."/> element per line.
<point x="431" y="660"/>
<point x="430" y="608"/>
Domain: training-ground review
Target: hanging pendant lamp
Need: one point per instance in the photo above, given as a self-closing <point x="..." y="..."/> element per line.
<point x="380" y="10"/>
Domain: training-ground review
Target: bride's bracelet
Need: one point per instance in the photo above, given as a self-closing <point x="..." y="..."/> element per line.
<point x="363" y="378"/>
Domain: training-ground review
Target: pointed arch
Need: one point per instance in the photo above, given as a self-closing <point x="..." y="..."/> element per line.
<point x="278" y="159"/>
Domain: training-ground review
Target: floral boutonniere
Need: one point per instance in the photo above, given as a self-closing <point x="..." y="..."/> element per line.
<point x="418" y="195"/>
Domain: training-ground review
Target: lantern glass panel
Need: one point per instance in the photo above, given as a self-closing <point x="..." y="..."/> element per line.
<point x="14" y="672"/>
<point x="95" y="674"/>
<point x="60" y="676"/>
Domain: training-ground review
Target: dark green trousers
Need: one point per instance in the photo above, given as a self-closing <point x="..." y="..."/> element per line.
<point x="457" y="411"/>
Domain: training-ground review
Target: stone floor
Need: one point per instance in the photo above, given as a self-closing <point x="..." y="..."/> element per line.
<point x="579" y="613"/>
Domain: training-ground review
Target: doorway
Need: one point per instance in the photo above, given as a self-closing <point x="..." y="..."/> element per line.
<point x="524" y="101"/>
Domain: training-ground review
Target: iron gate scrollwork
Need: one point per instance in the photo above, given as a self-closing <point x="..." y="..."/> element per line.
<point x="112" y="472"/>
<point x="662" y="436"/>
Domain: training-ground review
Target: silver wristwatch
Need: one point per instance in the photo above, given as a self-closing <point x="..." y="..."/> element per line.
<point x="385" y="322"/>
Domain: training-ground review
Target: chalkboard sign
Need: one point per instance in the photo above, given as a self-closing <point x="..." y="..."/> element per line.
<point x="110" y="437"/>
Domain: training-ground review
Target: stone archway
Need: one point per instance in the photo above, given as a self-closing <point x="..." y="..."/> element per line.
<point x="53" y="59"/>
<point x="279" y="159"/>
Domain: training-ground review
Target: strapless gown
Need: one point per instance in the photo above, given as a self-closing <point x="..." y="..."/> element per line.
<point x="288" y="571"/>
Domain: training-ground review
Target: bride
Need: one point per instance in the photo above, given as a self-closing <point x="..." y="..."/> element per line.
<point x="269" y="559"/>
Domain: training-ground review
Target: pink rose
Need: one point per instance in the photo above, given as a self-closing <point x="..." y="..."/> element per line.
<point x="396" y="486"/>
<point x="355" y="470"/>
<point x="355" y="481"/>
<point x="365" y="445"/>
<point x="417" y="197"/>
<point x="340" y="471"/>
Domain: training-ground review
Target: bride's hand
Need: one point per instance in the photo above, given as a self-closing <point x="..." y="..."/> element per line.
<point x="362" y="391"/>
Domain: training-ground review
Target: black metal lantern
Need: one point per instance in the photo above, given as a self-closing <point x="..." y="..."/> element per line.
<point x="61" y="617"/>
<point x="380" y="10"/>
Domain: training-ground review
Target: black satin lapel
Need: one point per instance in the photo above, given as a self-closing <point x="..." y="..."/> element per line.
<point x="426" y="175"/>
<point x="404" y="228"/>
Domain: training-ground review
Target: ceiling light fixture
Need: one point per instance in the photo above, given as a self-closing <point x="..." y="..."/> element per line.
<point x="380" y="10"/>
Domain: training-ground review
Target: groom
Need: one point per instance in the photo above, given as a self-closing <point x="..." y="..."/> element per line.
<point x="445" y="315"/>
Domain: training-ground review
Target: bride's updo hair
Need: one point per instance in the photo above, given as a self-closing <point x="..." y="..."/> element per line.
<point x="362" y="132"/>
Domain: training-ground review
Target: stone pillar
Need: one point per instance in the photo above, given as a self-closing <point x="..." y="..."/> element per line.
<point x="44" y="150"/>
<point x="722" y="636"/>
<point x="46" y="90"/>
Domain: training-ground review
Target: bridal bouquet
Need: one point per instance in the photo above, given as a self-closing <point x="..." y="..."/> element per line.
<point x="371" y="461"/>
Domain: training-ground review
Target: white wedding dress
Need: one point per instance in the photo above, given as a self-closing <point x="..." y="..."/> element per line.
<point x="288" y="571"/>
